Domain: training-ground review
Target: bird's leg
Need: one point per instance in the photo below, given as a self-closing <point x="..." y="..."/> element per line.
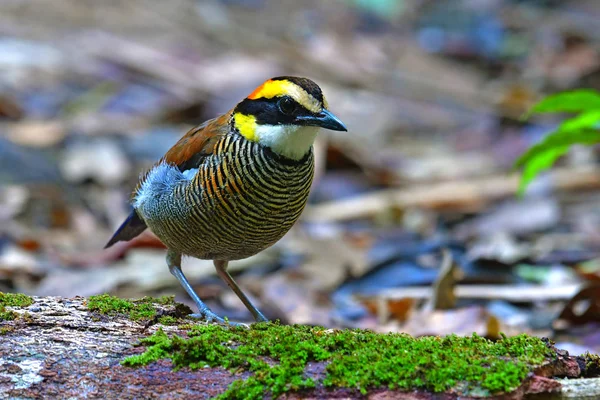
<point x="221" y="267"/>
<point x="174" y="262"/>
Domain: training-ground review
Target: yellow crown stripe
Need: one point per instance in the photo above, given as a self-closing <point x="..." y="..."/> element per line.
<point x="271" y="89"/>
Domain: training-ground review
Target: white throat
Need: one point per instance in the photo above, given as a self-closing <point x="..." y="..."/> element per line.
<point x="290" y="141"/>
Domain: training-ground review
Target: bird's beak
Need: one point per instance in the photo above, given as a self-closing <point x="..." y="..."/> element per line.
<point x="324" y="119"/>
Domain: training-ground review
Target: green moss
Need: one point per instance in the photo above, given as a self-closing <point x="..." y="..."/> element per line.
<point x="15" y="300"/>
<point x="167" y="320"/>
<point x="26" y="317"/>
<point x="7" y="315"/>
<point x="12" y="300"/>
<point x="142" y="309"/>
<point x="592" y="364"/>
<point x="355" y="359"/>
<point x="592" y="360"/>
<point x="5" y="330"/>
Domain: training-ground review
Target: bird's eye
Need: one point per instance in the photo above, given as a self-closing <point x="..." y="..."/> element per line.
<point x="286" y="105"/>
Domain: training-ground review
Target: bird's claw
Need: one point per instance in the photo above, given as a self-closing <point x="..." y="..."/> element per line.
<point x="210" y="316"/>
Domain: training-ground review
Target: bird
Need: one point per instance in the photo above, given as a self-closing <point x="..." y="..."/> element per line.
<point x="234" y="185"/>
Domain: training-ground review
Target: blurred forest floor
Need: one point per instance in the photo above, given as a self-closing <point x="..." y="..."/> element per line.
<point x="413" y="223"/>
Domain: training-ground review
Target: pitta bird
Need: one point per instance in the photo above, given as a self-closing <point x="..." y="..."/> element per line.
<point x="234" y="185"/>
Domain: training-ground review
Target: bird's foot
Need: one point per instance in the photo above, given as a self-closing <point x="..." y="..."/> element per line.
<point x="261" y="318"/>
<point x="210" y="316"/>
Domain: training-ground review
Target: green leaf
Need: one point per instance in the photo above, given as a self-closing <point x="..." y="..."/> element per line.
<point x="588" y="119"/>
<point x="543" y="155"/>
<point x="572" y="101"/>
<point x="541" y="162"/>
<point x="559" y="139"/>
<point x="581" y="129"/>
<point x="577" y="130"/>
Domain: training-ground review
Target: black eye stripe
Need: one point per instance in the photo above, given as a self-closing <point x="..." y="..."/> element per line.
<point x="267" y="111"/>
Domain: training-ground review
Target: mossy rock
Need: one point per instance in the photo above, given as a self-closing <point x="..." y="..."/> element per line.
<point x="277" y="357"/>
<point x="12" y="300"/>
<point x="144" y="309"/>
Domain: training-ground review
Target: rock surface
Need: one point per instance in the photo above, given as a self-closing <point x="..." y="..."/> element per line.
<point x="57" y="348"/>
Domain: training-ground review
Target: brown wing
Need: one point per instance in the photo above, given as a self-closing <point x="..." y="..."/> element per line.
<point x="187" y="153"/>
<point x="194" y="146"/>
<point x="198" y="143"/>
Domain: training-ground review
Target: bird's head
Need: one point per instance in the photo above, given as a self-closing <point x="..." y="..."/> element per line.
<point x="285" y="114"/>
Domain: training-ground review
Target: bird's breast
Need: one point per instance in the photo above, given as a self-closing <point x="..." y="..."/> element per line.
<point x="242" y="199"/>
